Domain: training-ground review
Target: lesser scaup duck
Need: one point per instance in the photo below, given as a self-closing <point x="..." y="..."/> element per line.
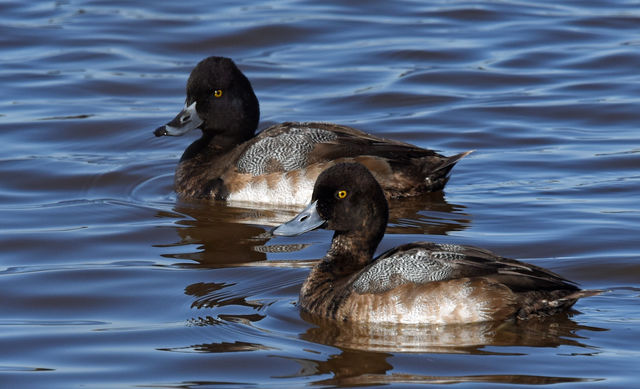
<point x="416" y="283"/>
<point x="281" y="163"/>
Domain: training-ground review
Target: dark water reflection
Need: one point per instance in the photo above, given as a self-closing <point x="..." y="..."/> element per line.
<point x="223" y="234"/>
<point x="108" y="280"/>
<point x="220" y="235"/>
<point x="348" y="369"/>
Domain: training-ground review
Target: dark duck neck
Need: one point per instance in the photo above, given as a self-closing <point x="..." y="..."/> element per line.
<point x="212" y="144"/>
<point x="203" y="163"/>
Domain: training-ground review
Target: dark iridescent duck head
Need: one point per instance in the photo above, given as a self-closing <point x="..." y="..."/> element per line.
<point x="220" y="101"/>
<point x="281" y="163"/>
<point x="415" y="283"/>
<point x="348" y="200"/>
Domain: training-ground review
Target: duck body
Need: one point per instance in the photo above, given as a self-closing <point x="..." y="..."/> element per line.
<point x="280" y="164"/>
<point x="425" y="282"/>
<point x="416" y="283"/>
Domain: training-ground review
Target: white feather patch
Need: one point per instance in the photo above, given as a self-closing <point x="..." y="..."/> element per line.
<point x="282" y="192"/>
<point x="437" y="308"/>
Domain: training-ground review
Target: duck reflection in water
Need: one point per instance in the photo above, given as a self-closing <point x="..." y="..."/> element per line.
<point x="469" y="338"/>
<point x="365" y="349"/>
<point x="230" y="234"/>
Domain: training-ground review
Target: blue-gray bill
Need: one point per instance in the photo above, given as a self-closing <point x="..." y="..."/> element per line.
<point x="187" y="120"/>
<point x="305" y="221"/>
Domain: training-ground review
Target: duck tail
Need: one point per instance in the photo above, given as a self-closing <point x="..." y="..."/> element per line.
<point x="437" y="177"/>
<point x="580" y="294"/>
<point x="449" y="162"/>
<point x="552" y="303"/>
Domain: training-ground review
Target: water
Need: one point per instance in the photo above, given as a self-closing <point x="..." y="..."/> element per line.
<point x="107" y="280"/>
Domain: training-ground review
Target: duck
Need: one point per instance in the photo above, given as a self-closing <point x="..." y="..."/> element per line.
<point x="414" y="283"/>
<point x="280" y="164"/>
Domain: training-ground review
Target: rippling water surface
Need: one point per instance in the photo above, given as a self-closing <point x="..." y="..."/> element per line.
<point x="108" y="280"/>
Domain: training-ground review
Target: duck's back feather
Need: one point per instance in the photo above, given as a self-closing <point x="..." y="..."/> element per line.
<point x="425" y="282"/>
<point x="423" y="262"/>
<point x="332" y="141"/>
<point x="296" y="153"/>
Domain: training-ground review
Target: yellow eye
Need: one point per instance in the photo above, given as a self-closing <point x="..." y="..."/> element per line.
<point x="341" y="194"/>
<point x="217" y="93"/>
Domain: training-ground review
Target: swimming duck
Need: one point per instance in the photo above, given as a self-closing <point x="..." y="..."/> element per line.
<point x="415" y="283"/>
<point x="281" y="163"/>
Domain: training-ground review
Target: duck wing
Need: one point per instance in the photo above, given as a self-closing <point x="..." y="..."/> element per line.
<point x="424" y="262"/>
<point x="327" y="142"/>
